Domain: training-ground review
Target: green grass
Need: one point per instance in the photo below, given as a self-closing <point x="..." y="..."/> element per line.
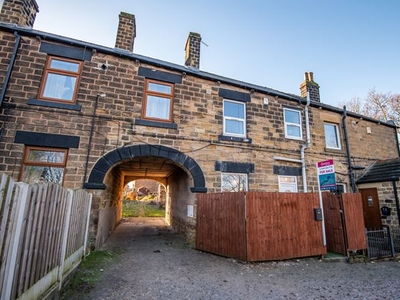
<point x="141" y="209"/>
<point x="88" y="274"/>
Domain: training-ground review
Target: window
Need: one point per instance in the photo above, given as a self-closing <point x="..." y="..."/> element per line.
<point x="43" y="165"/>
<point x="292" y="123"/>
<point x="332" y="139"/>
<point x="340" y="188"/>
<point x="234" y="118"/>
<point x="287" y="184"/>
<point x="233" y="182"/>
<point x="158" y="101"/>
<point x="60" y="80"/>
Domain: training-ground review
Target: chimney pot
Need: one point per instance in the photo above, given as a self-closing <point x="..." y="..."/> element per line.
<point x="310" y="86"/>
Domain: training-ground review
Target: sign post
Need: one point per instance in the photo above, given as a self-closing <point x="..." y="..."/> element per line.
<point x="326" y="181"/>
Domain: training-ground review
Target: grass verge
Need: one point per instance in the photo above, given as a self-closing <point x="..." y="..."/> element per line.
<point x="88" y="274"/>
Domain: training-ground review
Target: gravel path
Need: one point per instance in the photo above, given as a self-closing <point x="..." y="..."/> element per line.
<point x="157" y="264"/>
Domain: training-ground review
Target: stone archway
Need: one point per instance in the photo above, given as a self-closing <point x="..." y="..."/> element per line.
<point x="106" y="162"/>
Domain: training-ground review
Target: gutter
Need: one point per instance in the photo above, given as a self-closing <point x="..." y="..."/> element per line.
<point x="346" y="139"/>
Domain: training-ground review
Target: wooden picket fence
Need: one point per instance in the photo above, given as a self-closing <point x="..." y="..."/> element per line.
<point x="43" y="237"/>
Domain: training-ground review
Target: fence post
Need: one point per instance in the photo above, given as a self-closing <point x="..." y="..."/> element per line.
<point x="89" y="209"/>
<point x="65" y="239"/>
<point x="20" y="196"/>
<point x="390" y="236"/>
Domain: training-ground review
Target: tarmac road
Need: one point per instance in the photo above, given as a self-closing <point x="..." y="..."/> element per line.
<point x="158" y="264"/>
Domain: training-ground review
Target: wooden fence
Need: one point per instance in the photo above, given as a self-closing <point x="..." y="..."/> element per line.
<point x="344" y="222"/>
<point x="43" y="234"/>
<point x="259" y="226"/>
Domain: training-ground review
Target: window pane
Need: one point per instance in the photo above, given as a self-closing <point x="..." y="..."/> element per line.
<point x="64" y="65"/>
<point x="233" y="182"/>
<point x="38" y="174"/>
<point x="157" y="107"/>
<point x="292" y="116"/>
<point x="293" y="130"/>
<point x="235" y="110"/>
<point x="234" y="126"/>
<point x="331" y="137"/>
<point x="46" y="156"/>
<point x="59" y="86"/>
<point x="160" y="88"/>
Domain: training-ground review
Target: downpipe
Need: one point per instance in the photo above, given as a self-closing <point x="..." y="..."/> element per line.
<point x="306" y="146"/>
<point x="91" y="135"/>
<point x="346" y="140"/>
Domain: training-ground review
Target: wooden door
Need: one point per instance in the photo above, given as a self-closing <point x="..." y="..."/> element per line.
<point x="372" y="212"/>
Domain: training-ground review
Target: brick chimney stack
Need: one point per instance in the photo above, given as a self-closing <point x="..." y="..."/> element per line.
<point x="19" y="12"/>
<point x="126" y="32"/>
<point x="309" y="85"/>
<point x="192" y="50"/>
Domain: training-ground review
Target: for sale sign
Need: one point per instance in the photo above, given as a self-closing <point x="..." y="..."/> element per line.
<point x="326" y="175"/>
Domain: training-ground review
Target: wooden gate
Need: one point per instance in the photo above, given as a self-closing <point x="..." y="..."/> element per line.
<point x="344" y="222"/>
<point x="259" y="226"/>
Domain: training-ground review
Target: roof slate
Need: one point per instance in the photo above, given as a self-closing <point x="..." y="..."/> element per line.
<point x="382" y="170"/>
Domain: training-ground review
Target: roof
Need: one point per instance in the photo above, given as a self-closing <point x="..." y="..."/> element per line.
<point x="183" y="69"/>
<point x="382" y="170"/>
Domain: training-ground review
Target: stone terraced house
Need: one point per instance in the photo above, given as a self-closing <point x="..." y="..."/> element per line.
<point x="95" y="117"/>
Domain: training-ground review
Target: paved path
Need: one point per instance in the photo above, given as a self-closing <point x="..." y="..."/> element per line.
<point x="157" y="264"/>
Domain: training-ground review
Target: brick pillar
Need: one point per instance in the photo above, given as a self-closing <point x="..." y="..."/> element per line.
<point x="309" y="85"/>
<point x="20" y="12"/>
<point x="192" y="50"/>
<point x="126" y="32"/>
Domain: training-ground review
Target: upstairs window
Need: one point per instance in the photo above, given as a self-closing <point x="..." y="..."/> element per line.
<point x="158" y="101"/>
<point x="233" y="182"/>
<point x="60" y="80"/>
<point x="234" y="118"/>
<point x="332" y="140"/>
<point x="43" y="165"/>
<point x="292" y="119"/>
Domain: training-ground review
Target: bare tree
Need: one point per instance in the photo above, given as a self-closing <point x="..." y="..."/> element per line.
<point x="380" y="106"/>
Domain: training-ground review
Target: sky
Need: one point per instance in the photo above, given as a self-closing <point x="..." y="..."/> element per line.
<point x="351" y="46"/>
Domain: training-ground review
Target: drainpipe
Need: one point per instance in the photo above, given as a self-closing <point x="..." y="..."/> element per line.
<point x="10" y="67"/>
<point x="346" y="140"/>
<point x="91" y="135"/>
<point x="9" y="70"/>
<point x="396" y="199"/>
<point x="302" y="161"/>
<point x="304" y="147"/>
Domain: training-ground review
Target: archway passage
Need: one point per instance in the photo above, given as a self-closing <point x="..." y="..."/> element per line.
<point x="163" y="153"/>
<point x="179" y="173"/>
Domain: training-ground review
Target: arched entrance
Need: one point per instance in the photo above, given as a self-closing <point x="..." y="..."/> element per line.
<point x="180" y="173"/>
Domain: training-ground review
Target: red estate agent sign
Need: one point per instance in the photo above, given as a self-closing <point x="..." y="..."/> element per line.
<point x="326" y="175"/>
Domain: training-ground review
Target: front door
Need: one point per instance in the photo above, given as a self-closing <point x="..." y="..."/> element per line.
<point x="372" y="212"/>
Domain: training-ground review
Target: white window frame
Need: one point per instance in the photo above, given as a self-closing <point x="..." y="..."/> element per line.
<point x="344" y="186"/>
<point x="292" y="124"/>
<point x="234" y="119"/>
<point x="337" y="136"/>
<point x="283" y="183"/>
<point x="234" y="174"/>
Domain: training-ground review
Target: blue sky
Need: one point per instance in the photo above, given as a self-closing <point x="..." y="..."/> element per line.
<point x="351" y="46"/>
